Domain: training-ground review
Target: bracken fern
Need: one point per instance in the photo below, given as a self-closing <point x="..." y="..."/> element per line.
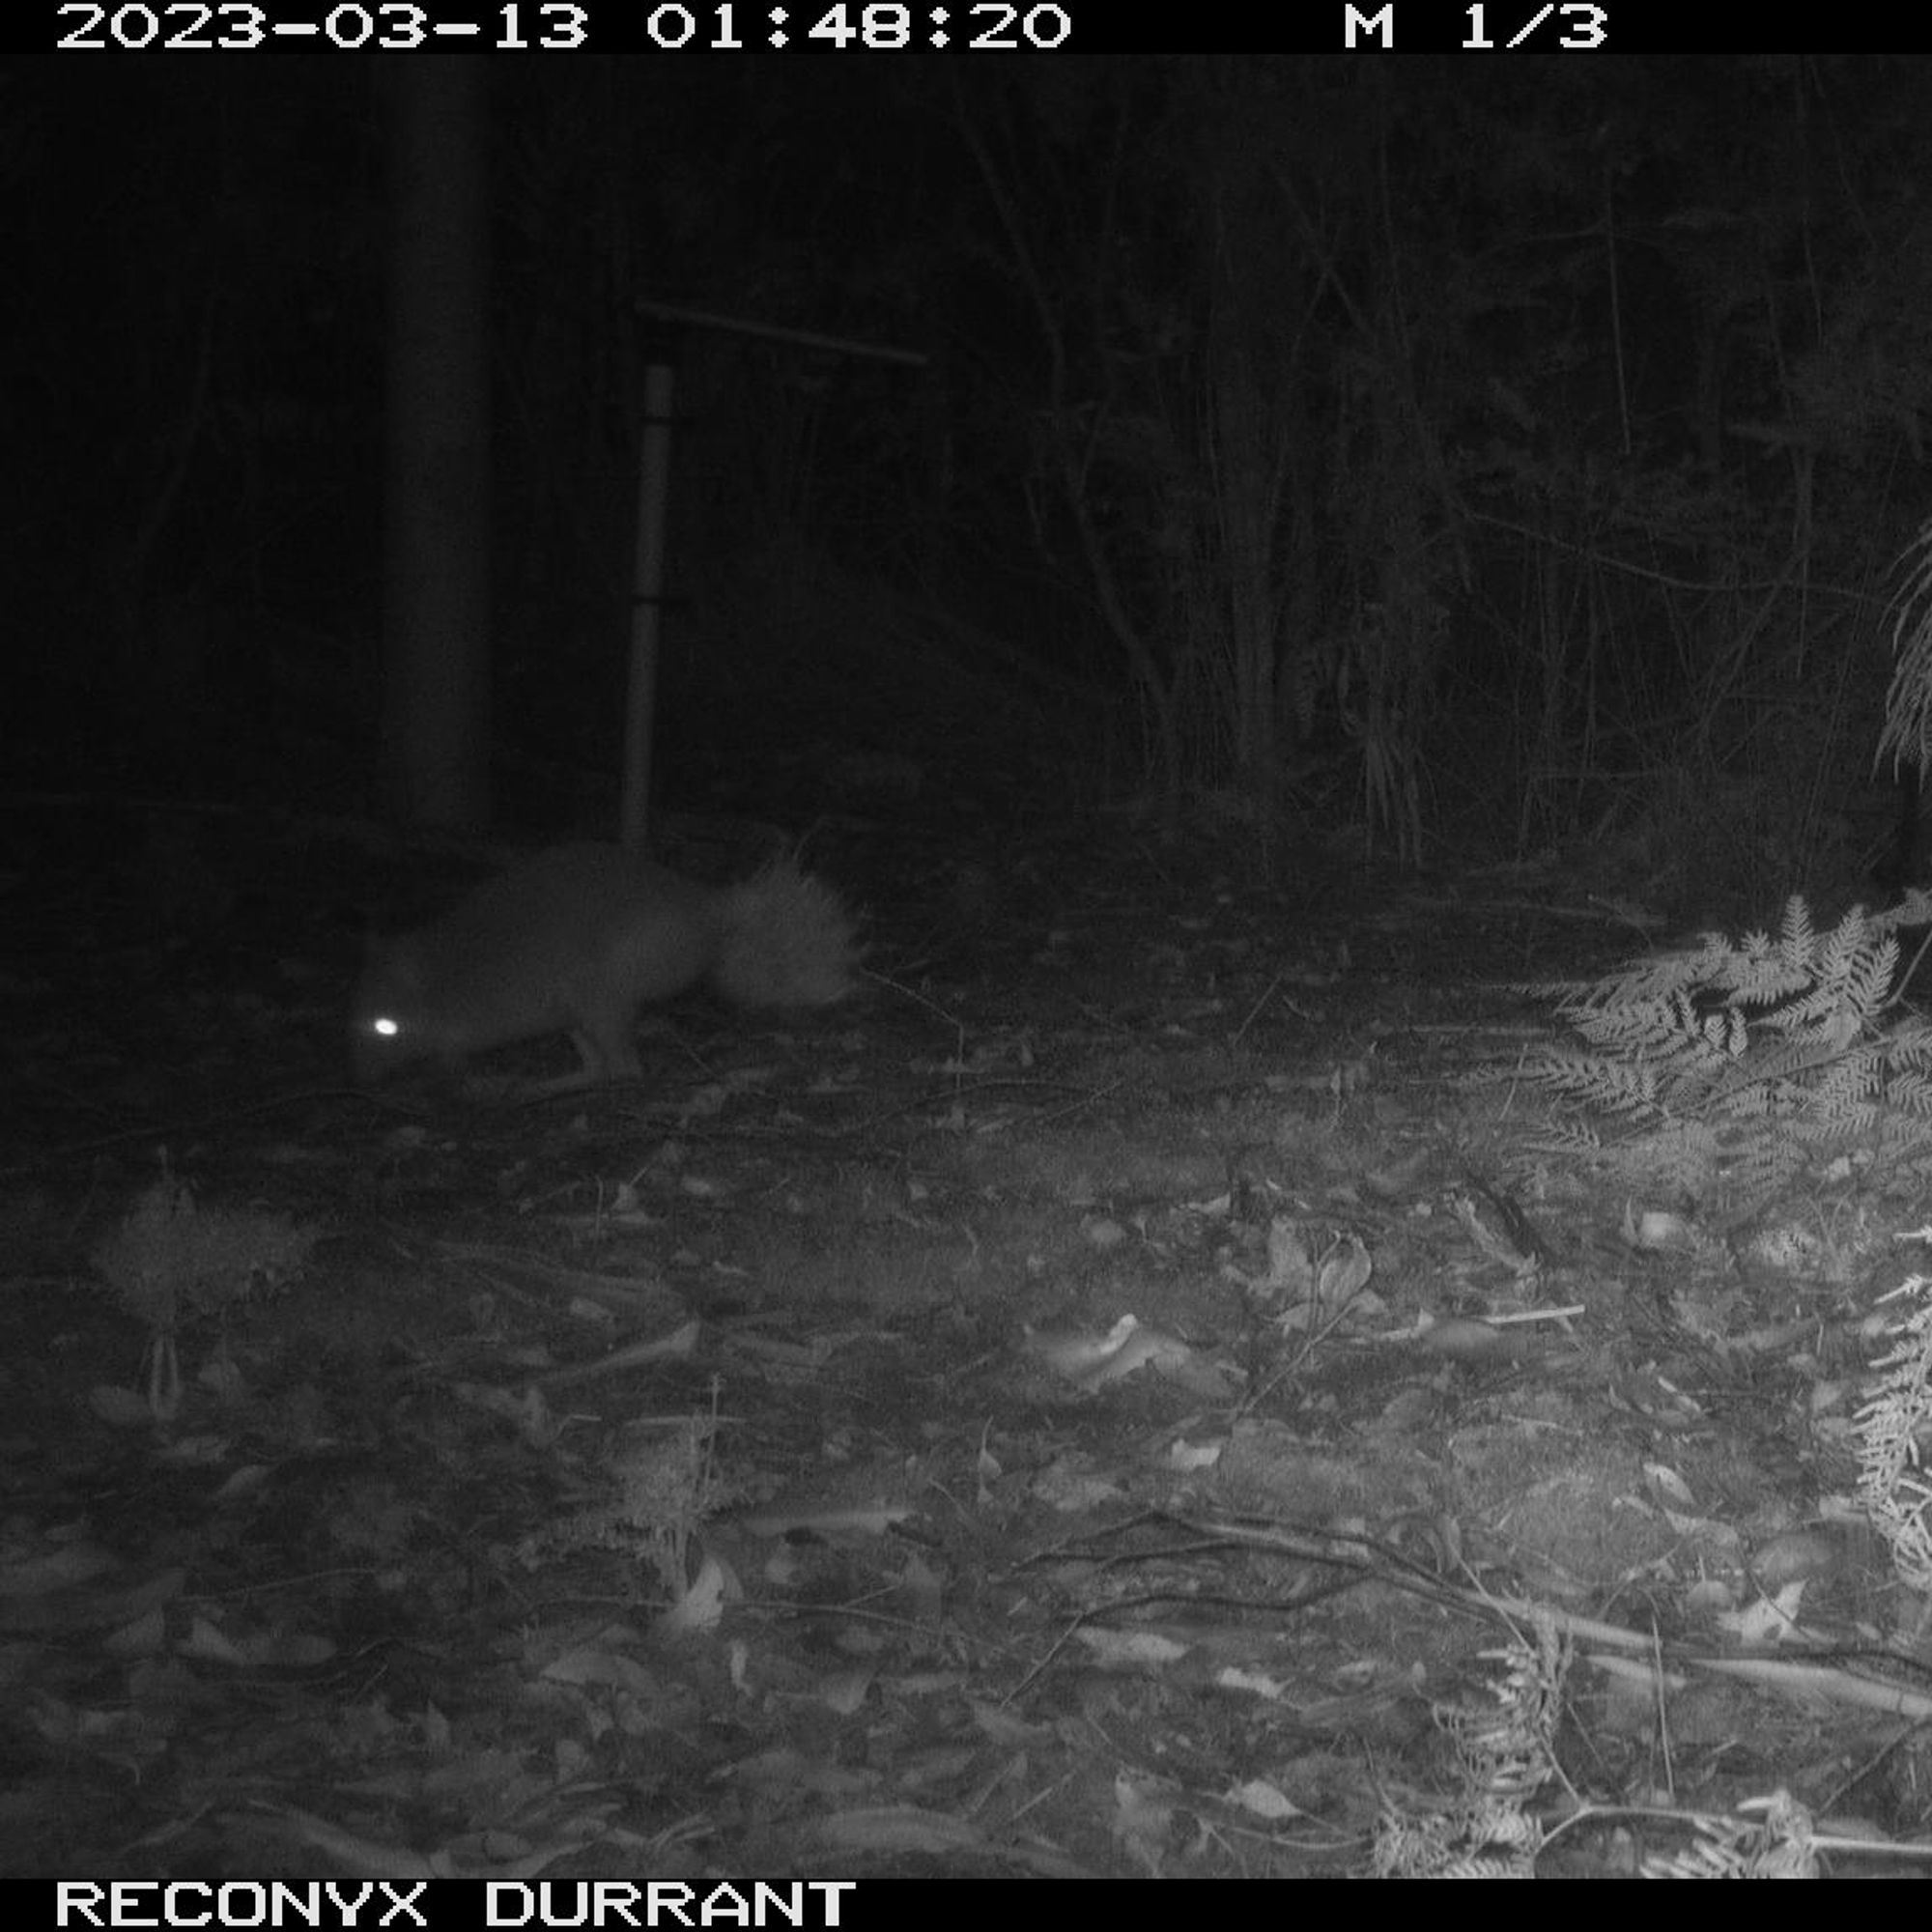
<point x="1731" y="1065"/>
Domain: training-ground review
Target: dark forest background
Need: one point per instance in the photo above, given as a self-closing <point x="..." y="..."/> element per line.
<point x="1450" y="455"/>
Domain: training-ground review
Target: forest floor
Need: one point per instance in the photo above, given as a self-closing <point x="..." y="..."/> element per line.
<point x="1156" y="1387"/>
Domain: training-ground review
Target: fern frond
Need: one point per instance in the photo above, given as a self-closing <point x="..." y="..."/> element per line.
<point x="1778" y="1046"/>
